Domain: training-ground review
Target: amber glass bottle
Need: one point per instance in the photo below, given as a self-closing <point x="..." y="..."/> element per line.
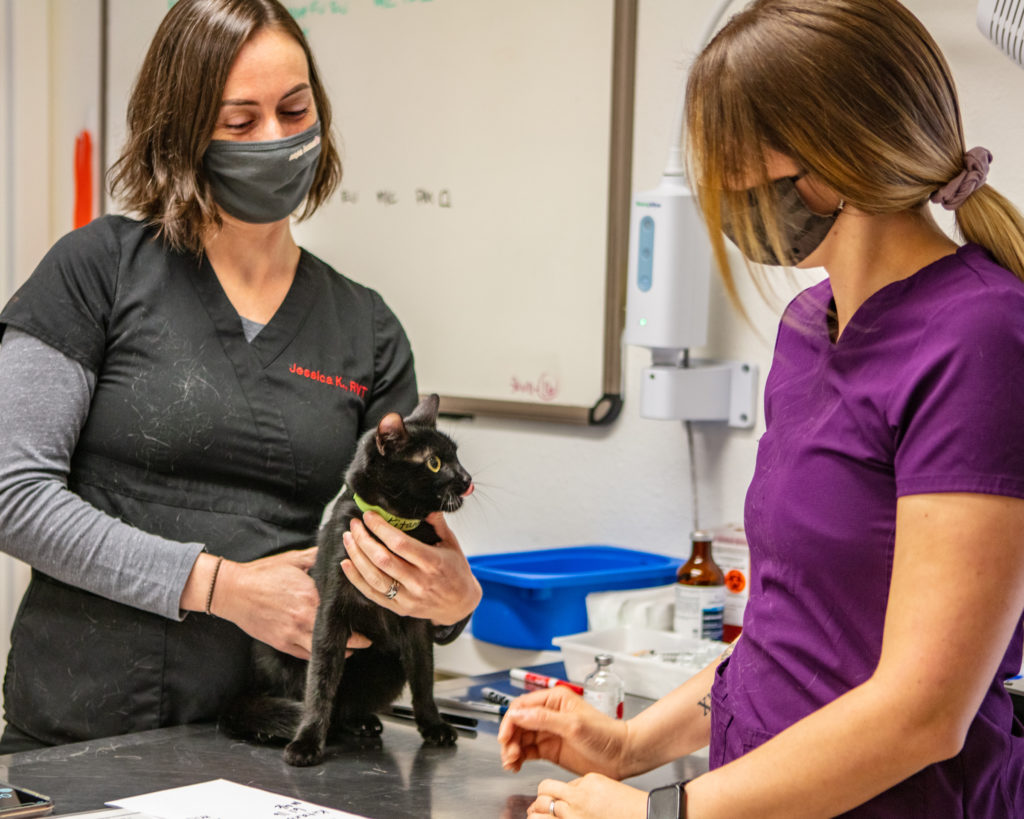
<point x="700" y="592"/>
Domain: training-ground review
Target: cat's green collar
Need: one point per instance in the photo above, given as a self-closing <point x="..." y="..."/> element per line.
<point x="405" y="524"/>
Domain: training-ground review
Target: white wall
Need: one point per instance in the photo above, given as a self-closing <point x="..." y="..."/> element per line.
<point x="629" y="485"/>
<point x="49" y="58"/>
<point x="539" y="484"/>
<point x="24" y="189"/>
<point x="26" y="125"/>
<point x="74" y="84"/>
<point x="549" y="485"/>
<point x="6" y="92"/>
<point x="49" y="88"/>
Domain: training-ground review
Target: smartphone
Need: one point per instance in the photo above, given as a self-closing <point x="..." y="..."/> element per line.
<point x="16" y="802"/>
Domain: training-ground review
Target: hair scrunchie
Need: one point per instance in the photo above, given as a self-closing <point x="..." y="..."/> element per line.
<point x="955" y="192"/>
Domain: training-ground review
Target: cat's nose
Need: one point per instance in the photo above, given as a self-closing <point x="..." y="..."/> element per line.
<point x="469" y="491"/>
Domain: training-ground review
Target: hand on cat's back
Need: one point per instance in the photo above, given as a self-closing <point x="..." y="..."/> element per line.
<point x="435" y="582"/>
<point x="272" y="599"/>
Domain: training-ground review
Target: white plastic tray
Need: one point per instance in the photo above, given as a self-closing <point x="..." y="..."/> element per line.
<point x="651" y="663"/>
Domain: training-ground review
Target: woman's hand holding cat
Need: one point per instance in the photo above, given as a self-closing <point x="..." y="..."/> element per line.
<point x="272" y="599"/>
<point x="434" y="582"/>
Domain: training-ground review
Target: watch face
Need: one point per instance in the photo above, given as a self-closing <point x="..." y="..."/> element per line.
<point x="664" y="803"/>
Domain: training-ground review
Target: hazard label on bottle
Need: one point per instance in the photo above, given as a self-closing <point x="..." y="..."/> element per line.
<point x="735" y="581"/>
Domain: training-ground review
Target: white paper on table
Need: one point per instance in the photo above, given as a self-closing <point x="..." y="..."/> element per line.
<point x="221" y="799"/>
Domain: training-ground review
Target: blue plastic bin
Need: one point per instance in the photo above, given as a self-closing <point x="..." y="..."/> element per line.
<point x="533" y="596"/>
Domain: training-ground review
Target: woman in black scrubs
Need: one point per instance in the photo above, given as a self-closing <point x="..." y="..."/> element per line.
<point x="205" y="383"/>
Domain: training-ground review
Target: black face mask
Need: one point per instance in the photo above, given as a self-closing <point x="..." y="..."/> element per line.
<point x="803" y="230"/>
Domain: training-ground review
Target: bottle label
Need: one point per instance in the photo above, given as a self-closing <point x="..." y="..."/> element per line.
<point x="607" y="702"/>
<point x="733" y="558"/>
<point x="699" y="611"/>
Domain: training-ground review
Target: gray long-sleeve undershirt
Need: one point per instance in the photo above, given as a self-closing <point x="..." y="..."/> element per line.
<point x="50" y="527"/>
<point x="45" y="524"/>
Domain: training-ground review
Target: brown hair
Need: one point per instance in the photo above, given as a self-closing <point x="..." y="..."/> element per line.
<point x="857" y="93"/>
<point x="173" y="110"/>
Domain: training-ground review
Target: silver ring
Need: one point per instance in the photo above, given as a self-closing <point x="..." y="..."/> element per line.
<point x="551" y="807"/>
<point x="390" y="593"/>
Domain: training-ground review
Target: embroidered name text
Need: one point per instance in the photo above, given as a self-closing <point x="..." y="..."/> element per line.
<point x="330" y="380"/>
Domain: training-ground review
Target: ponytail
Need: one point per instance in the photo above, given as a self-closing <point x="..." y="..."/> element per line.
<point x="989" y="219"/>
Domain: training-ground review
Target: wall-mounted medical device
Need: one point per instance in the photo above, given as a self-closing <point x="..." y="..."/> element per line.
<point x="667" y="312"/>
<point x="670" y="269"/>
<point x="669" y="272"/>
<point x="1002" y="21"/>
<point x="667" y="301"/>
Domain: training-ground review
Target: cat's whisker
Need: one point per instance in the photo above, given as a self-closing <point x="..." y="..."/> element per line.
<point x="481" y="493"/>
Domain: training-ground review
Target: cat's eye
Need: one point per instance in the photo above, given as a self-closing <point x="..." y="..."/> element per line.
<point x="434" y="463"/>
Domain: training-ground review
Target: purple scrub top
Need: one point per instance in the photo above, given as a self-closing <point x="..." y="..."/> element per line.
<point x="923" y="392"/>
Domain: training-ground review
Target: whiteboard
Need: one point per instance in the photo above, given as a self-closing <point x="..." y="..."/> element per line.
<point x="486" y="153"/>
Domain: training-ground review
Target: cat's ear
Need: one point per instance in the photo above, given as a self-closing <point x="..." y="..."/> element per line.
<point x="425" y="413"/>
<point x="391" y="433"/>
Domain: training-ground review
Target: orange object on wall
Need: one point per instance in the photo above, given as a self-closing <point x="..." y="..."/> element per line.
<point x="83" y="180"/>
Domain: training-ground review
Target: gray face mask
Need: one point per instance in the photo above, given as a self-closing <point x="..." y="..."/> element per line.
<point x="803" y="230"/>
<point x="263" y="182"/>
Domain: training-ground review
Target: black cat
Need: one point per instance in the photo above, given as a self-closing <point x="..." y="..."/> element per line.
<point x="408" y="469"/>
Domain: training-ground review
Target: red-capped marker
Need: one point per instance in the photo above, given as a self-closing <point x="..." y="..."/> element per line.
<point x="541" y="680"/>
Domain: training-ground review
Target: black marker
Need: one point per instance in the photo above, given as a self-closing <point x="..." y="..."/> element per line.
<point x="499" y="697"/>
<point x="479" y="706"/>
<point x="405" y="712"/>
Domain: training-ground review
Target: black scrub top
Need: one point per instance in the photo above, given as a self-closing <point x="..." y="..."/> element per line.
<point x="195" y="435"/>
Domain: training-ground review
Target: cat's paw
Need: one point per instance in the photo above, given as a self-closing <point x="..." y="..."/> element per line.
<point x="356" y="742"/>
<point x="439" y="734"/>
<point x="365" y="725"/>
<point x="302" y="752"/>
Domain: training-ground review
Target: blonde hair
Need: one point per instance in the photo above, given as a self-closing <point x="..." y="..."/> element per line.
<point x="858" y="94"/>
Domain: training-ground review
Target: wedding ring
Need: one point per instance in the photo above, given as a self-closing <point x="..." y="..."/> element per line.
<point x="551" y="807"/>
<point x="390" y="593"/>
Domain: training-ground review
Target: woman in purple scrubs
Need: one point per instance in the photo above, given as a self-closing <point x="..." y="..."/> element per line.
<point x="886" y="512"/>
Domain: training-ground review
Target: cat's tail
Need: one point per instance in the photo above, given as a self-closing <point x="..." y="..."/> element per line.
<point x="262" y="718"/>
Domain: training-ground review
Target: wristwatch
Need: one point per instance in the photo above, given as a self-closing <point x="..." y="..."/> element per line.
<point x="668" y="802"/>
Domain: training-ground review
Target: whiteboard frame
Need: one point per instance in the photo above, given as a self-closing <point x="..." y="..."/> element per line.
<point x="609" y="403"/>
<point x="620" y="179"/>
